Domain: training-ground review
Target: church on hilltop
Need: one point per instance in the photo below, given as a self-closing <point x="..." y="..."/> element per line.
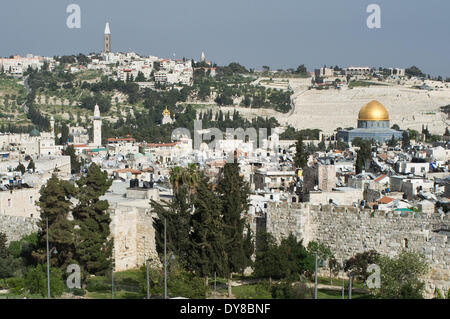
<point x="373" y="124"/>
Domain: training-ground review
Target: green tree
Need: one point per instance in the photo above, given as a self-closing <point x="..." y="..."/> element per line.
<point x="358" y="264"/>
<point x="140" y="77"/>
<point x="31" y="166"/>
<point x="75" y="164"/>
<point x="400" y="276"/>
<point x="3" y="248"/>
<point x="392" y="142"/>
<point x="36" y="281"/>
<point x="301" y="69"/>
<point x="362" y="156"/>
<point x="177" y="213"/>
<point x="206" y="238"/>
<point x="405" y="139"/>
<point x="322" y="250"/>
<point x="55" y="205"/>
<point x="301" y="155"/>
<point x="8" y="264"/>
<point x="180" y="283"/>
<point x="298" y="260"/>
<point x="269" y="261"/>
<point x="64" y="134"/>
<point x="233" y="193"/>
<point x="92" y="243"/>
<point x="20" y="168"/>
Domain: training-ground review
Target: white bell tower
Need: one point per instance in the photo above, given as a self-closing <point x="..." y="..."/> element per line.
<point x="97" y="127"/>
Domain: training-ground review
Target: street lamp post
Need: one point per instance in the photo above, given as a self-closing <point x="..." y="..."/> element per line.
<point x="215" y="285"/>
<point x="343" y="286"/>
<point x="48" y="263"/>
<point x="315" y="278"/>
<point x="53" y="250"/>
<point x="165" y="259"/>
<point x="148" y="277"/>
<point x="350" y="286"/>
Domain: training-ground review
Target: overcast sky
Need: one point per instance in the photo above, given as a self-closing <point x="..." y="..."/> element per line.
<point x="280" y="34"/>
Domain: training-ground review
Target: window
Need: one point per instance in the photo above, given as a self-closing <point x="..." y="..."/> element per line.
<point x="405" y="243"/>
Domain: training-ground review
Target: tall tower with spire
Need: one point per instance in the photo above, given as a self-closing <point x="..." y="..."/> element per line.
<point x="97" y="127"/>
<point x="107" y="38"/>
<point x="52" y="125"/>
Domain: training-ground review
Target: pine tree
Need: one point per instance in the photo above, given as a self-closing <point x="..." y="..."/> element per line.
<point x="233" y="192"/>
<point x="3" y="247"/>
<point x="55" y="205"/>
<point x="92" y="243"/>
<point x="206" y="237"/>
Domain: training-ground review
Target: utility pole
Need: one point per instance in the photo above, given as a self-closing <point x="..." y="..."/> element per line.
<point x="165" y="259"/>
<point x="112" y="273"/>
<point x="48" y="264"/>
<point x="350" y="286"/>
<point x="148" y="280"/>
<point x="315" y="279"/>
<point x="112" y="282"/>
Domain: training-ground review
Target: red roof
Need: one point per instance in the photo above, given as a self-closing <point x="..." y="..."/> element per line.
<point x="379" y="178"/>
<point x="128" y="170"/>
<point x="385" y="200"/>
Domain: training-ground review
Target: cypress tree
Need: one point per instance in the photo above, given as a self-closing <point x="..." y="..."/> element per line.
<point x="55" y="205"/>
<point x="301" y="155"/>
<point x="233" y="193"/>
<point x="206" y="237"/>
<point x="31" y="166"/>
<point x="362" y="155"/>
<point x="93" y="247"/>
<point x="177" y="214"/>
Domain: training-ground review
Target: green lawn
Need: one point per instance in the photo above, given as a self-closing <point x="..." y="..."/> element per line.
<point x="337" y="294"/>
<point x="253" y="291"/>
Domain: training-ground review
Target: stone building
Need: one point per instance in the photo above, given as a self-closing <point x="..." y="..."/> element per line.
<point x="373" y="124"/>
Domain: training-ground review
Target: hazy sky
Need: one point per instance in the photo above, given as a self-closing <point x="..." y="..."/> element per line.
<point x="280" y="34"/>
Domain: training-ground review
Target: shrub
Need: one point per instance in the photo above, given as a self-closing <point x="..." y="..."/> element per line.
<point x="78" y="292"/>
<point x="36" y="281"/>
<point x="98" y="284"/>
<point x="16" y="285"/>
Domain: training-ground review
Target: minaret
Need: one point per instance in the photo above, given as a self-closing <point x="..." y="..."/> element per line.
<point x="97" y="124"/>
<point x="203" y="58"/>
<point x="52" y="125"/>
<point x="107" y="38"/>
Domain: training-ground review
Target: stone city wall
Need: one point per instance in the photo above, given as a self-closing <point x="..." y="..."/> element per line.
<point x="17" y="227"/>
<point x="348" y="231"/>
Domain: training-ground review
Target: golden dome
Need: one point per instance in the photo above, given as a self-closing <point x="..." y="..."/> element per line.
<point x="373" y="111"/>
<point x="166" y="112"/>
